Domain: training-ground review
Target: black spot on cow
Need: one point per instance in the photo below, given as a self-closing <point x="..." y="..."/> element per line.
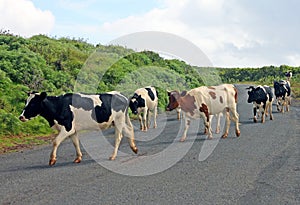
<point x="58" y="108"/>
<point x="150" y="93"/>
<point x="102" y="113"/>
<point x="109" y="102"/>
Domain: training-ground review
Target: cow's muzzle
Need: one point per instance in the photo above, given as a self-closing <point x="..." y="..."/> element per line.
<point x="22" y="118"/>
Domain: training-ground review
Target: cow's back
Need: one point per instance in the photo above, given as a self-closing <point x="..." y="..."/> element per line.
<point x="105" y="109"/>
<point x="216" y="98"/>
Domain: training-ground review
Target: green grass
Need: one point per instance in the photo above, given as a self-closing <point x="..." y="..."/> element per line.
<point x="16" y="143"/>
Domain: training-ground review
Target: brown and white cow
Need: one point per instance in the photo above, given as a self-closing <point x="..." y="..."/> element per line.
<point x="205" y="101"/>
<point x="144" y="101"/>
<point x="71" y="113"/>
<point x="218" y="116"/>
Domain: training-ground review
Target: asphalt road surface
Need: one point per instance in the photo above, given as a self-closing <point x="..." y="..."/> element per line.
<point x="262" y="166"/>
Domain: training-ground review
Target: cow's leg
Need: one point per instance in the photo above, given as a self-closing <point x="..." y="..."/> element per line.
<point x="287" y="102"/>
<point x="235" y="118"/>
<point x="63" y="134"/>
<point x="178" y="110"/>
<point x="254" y="113"/>
<point x="186" y="127"/>
<point x="145" y="113"/>
<point x="263" y="111"/>
<point x="118" y="138"/>
<point x="206" y="130"/>
<point x="207" y="125"/>
<point x="129" y="133"/>
<point x="270" y="110"/>
<point x="141" y="121"/>
<point x="227" y="115"/>
<point x="154" y="117"/>
<point x="75" y="141"/>
<point x="218" y="123"/>
<point x="281" y="105"/>
<point x="278" y="105"/>
<point x="148" y="118"/>
<point x="267" y="108"/>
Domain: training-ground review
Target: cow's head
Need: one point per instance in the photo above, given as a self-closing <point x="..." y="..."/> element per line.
<point x="33" y="106"/>
<point x="251" y="94"/>
<point x="173" y="100"/>
<point x="136" y="102"/>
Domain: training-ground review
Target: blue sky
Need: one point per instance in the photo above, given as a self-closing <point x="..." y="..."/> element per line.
<point x="243" y="33"/>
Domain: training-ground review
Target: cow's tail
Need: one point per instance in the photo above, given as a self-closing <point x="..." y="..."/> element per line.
<point x="235" y="94"/>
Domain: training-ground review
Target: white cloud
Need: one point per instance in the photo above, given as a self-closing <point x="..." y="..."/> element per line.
<point x="231" y="32"/>
<point x="23" y="18"/>
<point x="294" y="60"/>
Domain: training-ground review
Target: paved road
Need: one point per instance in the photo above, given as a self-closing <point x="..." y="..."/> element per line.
<point x="262" y="166"/>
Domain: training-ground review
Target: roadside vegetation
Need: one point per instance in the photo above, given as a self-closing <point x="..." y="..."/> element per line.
<point x="41" y="63"/>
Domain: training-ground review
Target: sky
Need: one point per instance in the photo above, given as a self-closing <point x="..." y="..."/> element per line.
<point x="232" y="33"/>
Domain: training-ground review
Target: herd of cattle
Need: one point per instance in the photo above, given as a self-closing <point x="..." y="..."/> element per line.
<point x="71" y="113"/>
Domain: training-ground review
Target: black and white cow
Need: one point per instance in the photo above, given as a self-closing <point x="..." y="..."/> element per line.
<point x="288" y="75"/>
<point x="282" y="94"/>
<point x="143" y="101"/>
<point x="262" y="98"/>
<point x="71" y="113"/>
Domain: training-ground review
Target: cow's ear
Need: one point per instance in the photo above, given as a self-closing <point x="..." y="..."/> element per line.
<point x="169" y="92"/>
<point x="43" y="95"/>
<point x="183" y="93"/>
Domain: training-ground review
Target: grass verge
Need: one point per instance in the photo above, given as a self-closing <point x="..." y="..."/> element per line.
<point x="18" y="143"/>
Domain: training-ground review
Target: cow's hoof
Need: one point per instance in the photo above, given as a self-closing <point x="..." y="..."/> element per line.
<point x="238" y="133"/>
<point x="182" y="140"/>
<point x="52" y="162"/>
<point x="112" y="158"/>
<point x="134" y="149"/>
<point x="209" y="137"/>
<point x="224" y="135"/>
<point x="77" y="160"/>
<point x="255" y="120"/>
